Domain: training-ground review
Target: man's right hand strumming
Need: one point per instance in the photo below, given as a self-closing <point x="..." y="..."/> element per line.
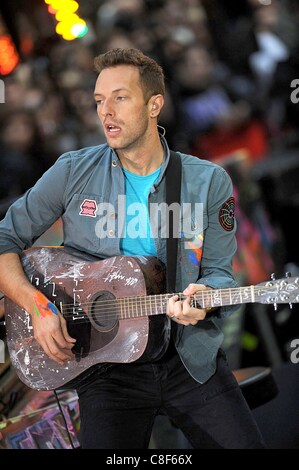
<point x="50" y="329"/>
<point x="49" y="326"/>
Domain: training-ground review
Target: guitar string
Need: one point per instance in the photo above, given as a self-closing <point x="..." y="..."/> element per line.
<point x="140" y="310"/>
<point x="137" y="302"/>
<point x="207" y="294"/>
<point x="139" y="313"/>
<point x="204" y="295"/>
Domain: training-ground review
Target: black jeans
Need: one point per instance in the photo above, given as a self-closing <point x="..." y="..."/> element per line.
<point x="118" y="408"/>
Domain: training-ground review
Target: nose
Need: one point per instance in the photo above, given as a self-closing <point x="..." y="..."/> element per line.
<point x="107" y="108"/>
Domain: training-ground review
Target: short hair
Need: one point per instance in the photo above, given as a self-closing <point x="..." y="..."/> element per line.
<point x="150" y="72"/>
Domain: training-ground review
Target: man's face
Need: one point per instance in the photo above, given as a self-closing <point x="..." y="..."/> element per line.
<point x="121" y="107"/>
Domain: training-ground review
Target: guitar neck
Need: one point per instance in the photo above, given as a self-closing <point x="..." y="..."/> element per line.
<point x="133" y="307"/>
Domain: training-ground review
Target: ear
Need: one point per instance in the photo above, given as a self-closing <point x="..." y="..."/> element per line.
<point x="156" y="103"/>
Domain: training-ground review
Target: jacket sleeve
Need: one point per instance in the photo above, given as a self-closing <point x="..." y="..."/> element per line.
<point x="219" y="238"/>
<point x="34" y="212"/>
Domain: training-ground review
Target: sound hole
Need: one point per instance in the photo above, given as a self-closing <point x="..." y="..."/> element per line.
<point x="103" y="313"/>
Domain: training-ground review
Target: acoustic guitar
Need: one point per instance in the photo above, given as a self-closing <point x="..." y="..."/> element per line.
<point x="114" y="307"/>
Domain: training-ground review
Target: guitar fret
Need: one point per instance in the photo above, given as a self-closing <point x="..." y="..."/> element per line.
<point x="123" y="301"/>
<point x="203" y="304"/>
<point x="120" y="309"/>
<point x="135" y="304"/>
<point x="162" y="305"/>
<point x="127" y="311"/>
<point x="211" y="299"/>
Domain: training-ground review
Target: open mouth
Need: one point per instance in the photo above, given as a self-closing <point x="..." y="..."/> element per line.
<point x="112" y="129"/>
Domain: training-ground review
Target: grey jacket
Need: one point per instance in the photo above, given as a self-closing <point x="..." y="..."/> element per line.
<point x="87" y="186"/>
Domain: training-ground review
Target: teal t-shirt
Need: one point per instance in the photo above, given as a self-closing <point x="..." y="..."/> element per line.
<point x="138" y="239"/>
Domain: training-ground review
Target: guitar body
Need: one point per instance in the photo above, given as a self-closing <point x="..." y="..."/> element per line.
<point x="82" y="286"/>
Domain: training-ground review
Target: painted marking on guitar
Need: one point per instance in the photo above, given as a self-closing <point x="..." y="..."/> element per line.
<point x="74" y="271"/>
<point x="117" y="275"/>
<point x="77" y="309"/>
<point x="216" y="298"/>
<point x="26" y="358"/>
<point x="26" y="320"/>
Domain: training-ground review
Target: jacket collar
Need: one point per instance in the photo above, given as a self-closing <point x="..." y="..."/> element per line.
<point x="165" y="162"/>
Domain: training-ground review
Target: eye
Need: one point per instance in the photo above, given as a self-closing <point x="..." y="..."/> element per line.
<point x="98" y="102"/>
<point x="120" y="98"/>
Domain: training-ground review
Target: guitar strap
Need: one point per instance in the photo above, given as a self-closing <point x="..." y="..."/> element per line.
<point x="173" y="195"/>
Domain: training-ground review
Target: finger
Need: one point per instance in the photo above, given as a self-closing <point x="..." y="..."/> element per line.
<point x="186" y="309"/>
<point x="58" y="336"/>
<point x="191" y="289"/>
<point x="185" y="322"/>
<point x="193" y="314"/>
<point x="58" y="354"/>
<point x="49" y="340"/>
<point x="189" y="313"/>
<point x="65" y="333"/>
<point x="170" y="305"/>
<point x="44" y="345"/>
<point x="177" y="309"/>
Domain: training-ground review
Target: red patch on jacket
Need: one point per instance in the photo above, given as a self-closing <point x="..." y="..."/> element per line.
<point x="89" y="208"/>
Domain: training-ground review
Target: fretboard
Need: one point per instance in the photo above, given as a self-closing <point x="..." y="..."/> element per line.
<point x="141" y="306"/>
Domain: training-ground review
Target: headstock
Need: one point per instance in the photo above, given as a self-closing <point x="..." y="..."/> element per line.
<point x="278" y="291"/>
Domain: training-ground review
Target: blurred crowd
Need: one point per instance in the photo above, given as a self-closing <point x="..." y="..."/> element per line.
<point x="228" y="67"/>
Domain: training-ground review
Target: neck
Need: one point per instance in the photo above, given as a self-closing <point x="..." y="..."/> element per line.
<point x="145" y="159"/>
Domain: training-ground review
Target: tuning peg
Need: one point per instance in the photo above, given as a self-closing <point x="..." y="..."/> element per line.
<point x="275" y="306"/>
<point x="273" y="277"/>
<point x="291" y="305"/>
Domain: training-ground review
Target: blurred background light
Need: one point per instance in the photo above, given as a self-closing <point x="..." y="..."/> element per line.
<point x="69" y="24"/>
<point x="9" y="58"/>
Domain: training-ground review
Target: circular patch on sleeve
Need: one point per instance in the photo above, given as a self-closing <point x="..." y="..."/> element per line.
<point x="227" y="214"/>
